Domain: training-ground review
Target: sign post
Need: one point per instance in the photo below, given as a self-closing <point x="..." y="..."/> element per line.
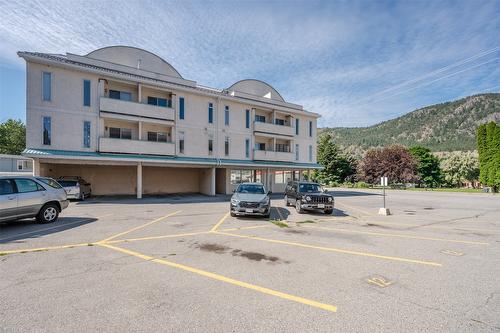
<point x="384" y="210"/>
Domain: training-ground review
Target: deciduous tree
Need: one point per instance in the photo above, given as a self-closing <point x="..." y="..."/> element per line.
<point x="428" y="167"/>
<point x="12" y="137"/>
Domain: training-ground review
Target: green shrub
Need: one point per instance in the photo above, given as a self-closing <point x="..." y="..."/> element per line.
<point x="361" y="185"/>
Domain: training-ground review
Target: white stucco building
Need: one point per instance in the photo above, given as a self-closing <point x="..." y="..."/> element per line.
<point x="126" y="121"/>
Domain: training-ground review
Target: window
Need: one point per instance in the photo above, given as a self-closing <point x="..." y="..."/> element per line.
<point x="226" y="146"/>
<point x="6" y="186"/>
<point x="284" y="148"/>
<point x="296" y="175"/>
<point x="297" y="152"/>
<point x="279" y="177"/>
<point x="296" y="126"/>
<point x="23" y="165"/>
<point x="27" y="185"/>
<point x="49" y="181"/>
<point x="278" y="121"/>
<point x="157" y="136"/>
<point x="226" y="115"/>
<point x="210" y="146"/>
<point x="158" y="101"/>
<point x="86" y="134"/>
<point x="260" y="119"/>
<point x="310" y="128"/>
<point x="247" y="118"/>
<point x="123" y="95"/>
<point x="47" y="131"/>
<point x="247" y="148"/>
<point x="181" y="107"/>
<point x="86" y="92"/>
<point x="181" y="142"/>
<point x="260" y="146"/>
<point x="46" y="86"/>
<point x="210" y="113"/>
<point x="310" y="153"/>
<point x="120" y="133"/>
<point x="241" y="176"/>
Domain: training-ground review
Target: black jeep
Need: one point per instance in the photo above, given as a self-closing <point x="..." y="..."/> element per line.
<point x="308" y="196"/>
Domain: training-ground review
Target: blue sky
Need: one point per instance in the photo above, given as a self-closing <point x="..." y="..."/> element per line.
<point x="354" y="62"/>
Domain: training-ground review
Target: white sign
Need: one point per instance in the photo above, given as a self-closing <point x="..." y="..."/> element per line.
<point x="383" y="181"/>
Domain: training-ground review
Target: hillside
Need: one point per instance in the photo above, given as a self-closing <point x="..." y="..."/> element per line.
<point x="442" y="127"/>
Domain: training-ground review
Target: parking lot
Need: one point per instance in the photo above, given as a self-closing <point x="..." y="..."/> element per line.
<point x="181" y="263"/>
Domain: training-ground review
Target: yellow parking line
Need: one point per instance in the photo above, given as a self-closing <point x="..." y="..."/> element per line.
<point x="331" y="249"/>
<point x="247" y="228"/>
<point x="352" y="207"/>
<point x="54" y="227"/>
<point x="395" y="235"/>
<point x="214" y="228"/>
<point x="155" y="237"/>
<point x="140" y="227"/>
<point x="222" y="278"/>
<point x="48" y="248"/>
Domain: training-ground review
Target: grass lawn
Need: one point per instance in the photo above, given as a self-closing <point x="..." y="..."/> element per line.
<point x="467" y="190"/>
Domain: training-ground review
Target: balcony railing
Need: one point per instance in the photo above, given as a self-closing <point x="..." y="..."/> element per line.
<point x="136" y="109"/>
<point x="271" y="155"/>
<point x="274" y="128"/>
<point x="112" y="145"/>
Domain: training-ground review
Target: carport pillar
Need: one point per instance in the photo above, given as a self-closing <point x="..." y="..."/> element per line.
<point x="308" y="175"/>
<point x="36" y="167"/>
<point x="139" y="181"/>
<point x="212" y="181"/>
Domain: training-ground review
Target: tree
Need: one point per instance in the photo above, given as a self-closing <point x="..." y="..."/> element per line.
<point x="459" y="167"/>
<point x="338" y="167"/>
<point x="394" y="162"/>
<point x="488" y="145"/>
<point x="12" y="137"/>
<point x="428" y="168"/>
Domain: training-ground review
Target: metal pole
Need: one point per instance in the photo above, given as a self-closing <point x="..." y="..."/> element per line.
<point x="384" y="194"/>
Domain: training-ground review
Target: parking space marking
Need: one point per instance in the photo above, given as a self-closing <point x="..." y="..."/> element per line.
<point x="156" y="237"/>
<point x="215" y="227"/>
<point x="48" y="248"/>
<point x="354" y="208"/>
<point x="430" y="226"/>
<point x="225" y="279"/>
<point x="331" y="249"/>
<point x="379" y="281"/>
<point x="140" y="227"/>
<point x="54" y="227"/>
<point x="396" y="235"/>
<point x="247" y="228"/>
<point x="452" y="253"/>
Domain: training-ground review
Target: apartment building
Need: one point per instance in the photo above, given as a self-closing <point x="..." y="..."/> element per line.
<point x="127" y="122"/>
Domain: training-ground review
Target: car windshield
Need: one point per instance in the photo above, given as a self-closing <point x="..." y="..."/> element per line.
<point x="67" y="183"/>
<point x="251" y="188"/>
<point x="307" y="188"/>
<point x="49" y="181"/>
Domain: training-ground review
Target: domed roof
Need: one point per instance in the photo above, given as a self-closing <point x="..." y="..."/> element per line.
<point x="256" y="88"/>
<point x="136" y="58"/>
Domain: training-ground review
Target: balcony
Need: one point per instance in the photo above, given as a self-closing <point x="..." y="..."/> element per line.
<point x="111" y="145"/>
<point x="274" y="129"/>
<point x="271" y="155"/>
<point x="136" y="109"/>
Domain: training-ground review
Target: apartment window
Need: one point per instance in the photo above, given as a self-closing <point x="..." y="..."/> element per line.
<point x="181" y="107"/>
<point x="297" y="152"/>
<point x="310" y="153"/>
<point x="279" y="177"/>
<point x="23" y="165"/>
<point x="247" y="118"/>
<point x="86" y="92"/>
<point x="260" y="146"/>
<point x="46" y="86"/>
<point x="241" y="176"/>
<point x="226" y="146"/>
<point x="181" y="142"/>
<point x="47" y="131"/>
<point x="260" y="119"/>
<point x="247" y="148"/>
<point x="86" y="134"/>
<point x="296" y="126"/>
<point x="120" y="133"/>
<point x="282" y="147"/>
<point x="122" y="95"/>
<point x="210" y="146"/>
<point x="278" y="121"/>
<point x="226" y="115"/>
<point x="157" y="136"/>
<point x="310" y="128"/>
<point x="210" y="113"/>
<point x="158" y="101"/>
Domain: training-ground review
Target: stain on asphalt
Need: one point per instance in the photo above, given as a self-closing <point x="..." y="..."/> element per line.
<point x="375" y="225"/>
<point x="254" y="256"/>
<point x="428" y="208"/>
<point x="295" y="231"/>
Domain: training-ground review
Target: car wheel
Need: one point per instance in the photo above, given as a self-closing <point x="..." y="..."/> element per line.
<point x="297" y="207"/>
<point x="287" y="203"/>
<point x="82" y="196"/>
<point x="48" y="214"/>
<point x="232" y="214"/>
<point x="328" y="211"/>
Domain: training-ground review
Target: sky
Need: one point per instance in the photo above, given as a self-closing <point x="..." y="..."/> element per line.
<point x="356" y="63"/>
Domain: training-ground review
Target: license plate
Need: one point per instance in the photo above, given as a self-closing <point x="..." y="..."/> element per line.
<point x="248" y="210"/>
<point x="321" y="206"/>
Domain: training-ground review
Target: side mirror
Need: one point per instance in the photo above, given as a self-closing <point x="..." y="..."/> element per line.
<point x="234" y="191"/>
<point x="269" y="192"/>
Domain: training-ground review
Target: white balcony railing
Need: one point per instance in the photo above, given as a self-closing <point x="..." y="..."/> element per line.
<point x="274" y="129"/>
<point x="136" y="109"/>
<point x="271" y="155"/>
<point x="111" y="145"/>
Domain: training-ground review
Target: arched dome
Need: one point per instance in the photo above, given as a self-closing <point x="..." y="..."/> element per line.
<point x="256" y="88"/>
<point x="136" y="58"/>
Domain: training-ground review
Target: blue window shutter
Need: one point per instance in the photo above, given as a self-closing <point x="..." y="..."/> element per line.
<point x="46" y="86"/>
<point x="181" y="107"/>
<point x="247" y="118"/>
<point x="86" y="92"/>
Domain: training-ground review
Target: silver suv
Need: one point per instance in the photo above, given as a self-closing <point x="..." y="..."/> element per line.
<point x="23" y="197"/>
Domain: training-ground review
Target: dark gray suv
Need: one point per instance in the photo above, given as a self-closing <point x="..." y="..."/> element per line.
<point x="308" y="196"/>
